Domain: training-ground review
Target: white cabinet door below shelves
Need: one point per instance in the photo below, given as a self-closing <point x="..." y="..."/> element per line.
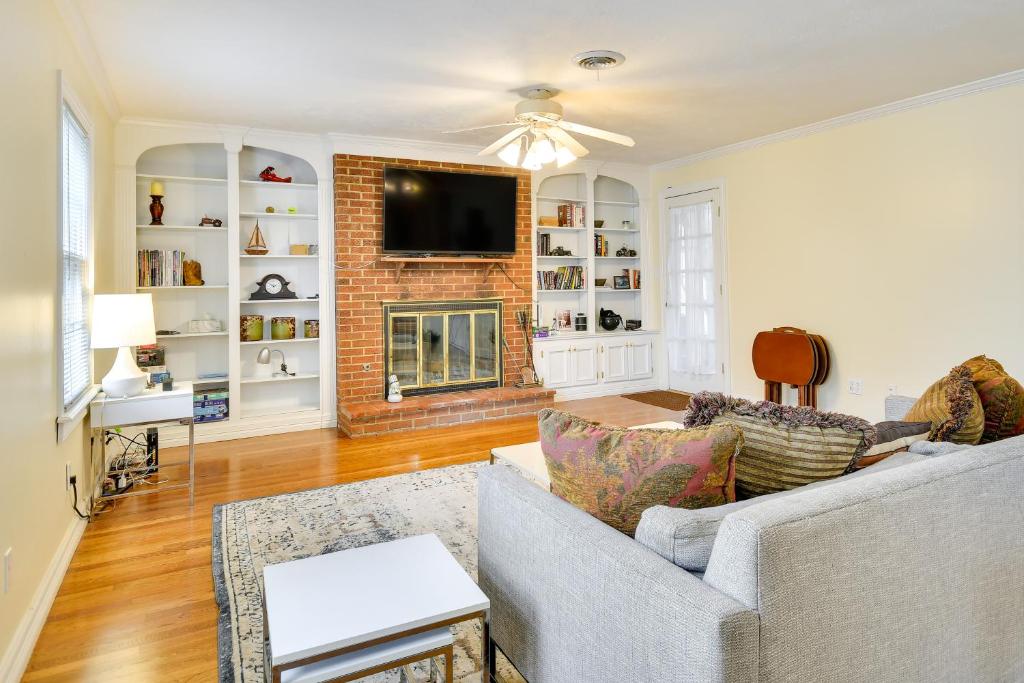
<point x="555" y="368"/>
<point x="641" y="359"/>
<point x="616" y="360"/>
<point x="584" y="364"/>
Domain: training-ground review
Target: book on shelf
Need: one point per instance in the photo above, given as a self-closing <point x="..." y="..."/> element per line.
<point x="543" y="244"/>
<point x="571" y="215"/>
<point x="564" y="277"/>
<point x="161" y="268"/>
<point x="634" y="277"/>
<point x="600" y="245"/>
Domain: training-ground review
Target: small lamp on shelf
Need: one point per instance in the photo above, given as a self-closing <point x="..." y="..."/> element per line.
<point x="121" y="321"/>
<point x="263" y="358"/>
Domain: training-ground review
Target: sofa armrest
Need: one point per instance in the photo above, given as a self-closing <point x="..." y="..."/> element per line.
<point x="573" y="599"/>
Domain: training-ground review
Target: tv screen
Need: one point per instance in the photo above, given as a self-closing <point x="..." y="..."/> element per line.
<point x="433" y="212"/>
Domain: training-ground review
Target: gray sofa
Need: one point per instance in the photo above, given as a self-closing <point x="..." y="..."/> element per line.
<point x="912" y="573"/>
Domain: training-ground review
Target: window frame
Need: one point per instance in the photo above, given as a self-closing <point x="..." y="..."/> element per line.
<point x="70" y="416"/>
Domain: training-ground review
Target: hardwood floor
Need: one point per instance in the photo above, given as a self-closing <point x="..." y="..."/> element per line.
<point x="137" y="602"/>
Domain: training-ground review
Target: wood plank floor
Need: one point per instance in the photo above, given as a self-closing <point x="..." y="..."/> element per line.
<point x="137" y="602"/>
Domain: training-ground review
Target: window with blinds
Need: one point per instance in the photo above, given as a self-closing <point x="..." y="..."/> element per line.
<point x="75" y="239"/>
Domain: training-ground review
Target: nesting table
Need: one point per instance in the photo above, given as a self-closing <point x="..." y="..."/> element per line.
<point x="347" y="614"/>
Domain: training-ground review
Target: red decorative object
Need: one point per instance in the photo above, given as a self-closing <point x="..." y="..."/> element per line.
<point x="267" y="175"/>
<point x="156" y="209"/>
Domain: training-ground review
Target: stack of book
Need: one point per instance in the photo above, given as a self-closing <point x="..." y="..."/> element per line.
<point x="634" y="277"/>
<point x="210" y="404"/>
<point x="565" y="277"/>
<point x="543" y="244"/>
<point x="571" y="216"/>
<point x="160" y="268"/>
<point x="150" y="359"/>
<point x="600" y="245"/>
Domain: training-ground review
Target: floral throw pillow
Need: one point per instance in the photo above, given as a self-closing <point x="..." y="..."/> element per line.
<point x="1002" y="399"/>
<point x="615" y="474"/>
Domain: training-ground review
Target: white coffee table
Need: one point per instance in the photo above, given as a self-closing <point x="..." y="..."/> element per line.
<point x="370" y="603"/>
<point x="528" y="458"/>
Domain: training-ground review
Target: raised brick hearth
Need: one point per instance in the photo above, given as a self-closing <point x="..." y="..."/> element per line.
<point x="364" y="418"/>
<point x="363" y="282"/>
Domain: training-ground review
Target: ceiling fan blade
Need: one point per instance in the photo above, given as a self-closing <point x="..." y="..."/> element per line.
<point x="503" y="140"/>
<point x="567" y="141"/>
<point x="597" y="133"/>
<point x="493" y="125"/>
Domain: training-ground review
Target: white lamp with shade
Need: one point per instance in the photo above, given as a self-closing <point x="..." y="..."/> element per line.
<point x="120" y="321"/>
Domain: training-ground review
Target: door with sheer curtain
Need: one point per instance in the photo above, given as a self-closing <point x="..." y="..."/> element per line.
<point x="695" y="317"/>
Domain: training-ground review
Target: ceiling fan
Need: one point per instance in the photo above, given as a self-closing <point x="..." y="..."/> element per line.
<point x="540" y="135"/>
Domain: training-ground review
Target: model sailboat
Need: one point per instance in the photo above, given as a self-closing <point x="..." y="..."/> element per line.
<point x="257" y="247"/>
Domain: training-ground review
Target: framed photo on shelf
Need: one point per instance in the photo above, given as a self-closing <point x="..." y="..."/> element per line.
<point x="600" y="282"/>
<point x="564" y="319"/>
<point x="621" y="281"/>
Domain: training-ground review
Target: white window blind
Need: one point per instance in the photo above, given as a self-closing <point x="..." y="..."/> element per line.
<point x="74" y="313"/>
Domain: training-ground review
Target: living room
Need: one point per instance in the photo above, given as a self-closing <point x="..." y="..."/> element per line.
<point x="679" y="345"/>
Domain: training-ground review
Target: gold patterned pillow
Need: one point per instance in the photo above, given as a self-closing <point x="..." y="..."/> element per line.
<point x="1002" y="399"/>
<point x="953" y="407"/>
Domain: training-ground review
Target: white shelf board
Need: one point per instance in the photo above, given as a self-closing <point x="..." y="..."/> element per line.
<point x="289" y="378"/>
<point x="604" y="202"/>
<point x="560" y="258"/>
<point x="276" y="256"/>
<point x="543" y="198"/>
<point x="179" y="287"/>
<point x="617" y="258"/>
<point x="146" y="177"/>
<point x="279" y="301"/>
<point x="181" y="228"/>
<point x="561" y="291"/>
<point x="611" y="290"/>
<point x="278" y="214"/>
<point x="559" y="228"/>
<point x="205" y="380"/>
<point x="632" y="230"/>
<point x="189" y="335"/>
<point x="261" y="183"/>
<point x="297" y="340"/>
<point x="275" y="412"/>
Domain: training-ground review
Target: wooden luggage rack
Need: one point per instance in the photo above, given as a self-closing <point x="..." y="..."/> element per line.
<point x="789" y="355"/>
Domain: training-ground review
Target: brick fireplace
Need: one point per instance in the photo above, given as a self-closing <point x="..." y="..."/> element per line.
<point x="364" y="282"/>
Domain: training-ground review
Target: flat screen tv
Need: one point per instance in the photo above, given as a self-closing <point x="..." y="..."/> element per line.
<point x="434" y="212"/>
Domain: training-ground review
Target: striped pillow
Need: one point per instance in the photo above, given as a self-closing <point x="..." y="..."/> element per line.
<point x="953" y="407"/>
<point x="784" y="447"/>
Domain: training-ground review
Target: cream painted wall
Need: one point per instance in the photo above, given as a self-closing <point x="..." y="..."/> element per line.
<point x="900" y="239"/>
<point x="35" y="510"/>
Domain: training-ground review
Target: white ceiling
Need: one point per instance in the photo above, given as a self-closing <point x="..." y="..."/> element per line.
<point x="698" y="75"/>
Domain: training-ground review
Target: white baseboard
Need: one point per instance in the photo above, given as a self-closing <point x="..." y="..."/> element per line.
<point x="19" y="651"/>
<point x="605" y="389"/>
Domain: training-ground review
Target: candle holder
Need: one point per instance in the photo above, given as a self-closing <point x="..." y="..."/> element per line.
<point x="156" y="209"/>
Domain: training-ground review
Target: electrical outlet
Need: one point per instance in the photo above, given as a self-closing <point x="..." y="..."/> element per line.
<point x="8" y="557"/>
<point x="893" y="390"/>
<point x="67" y="476"/>
<point x="366" y="367"/>
<point x="856" y="387"/>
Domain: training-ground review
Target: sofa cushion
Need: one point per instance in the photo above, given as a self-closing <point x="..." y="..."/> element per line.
<point x="784" y="447"/>
<point x="686" y="537"/>
<point x="1002" y="399"/>
<point x="615" y="474"/>
<point x="893" y="437"/>
<point x="953" y="407"/>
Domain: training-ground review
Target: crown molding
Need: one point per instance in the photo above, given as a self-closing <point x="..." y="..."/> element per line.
<point x="75" y="24"/>
<point x="370" y="145"/>
<point x="972" y="88"/>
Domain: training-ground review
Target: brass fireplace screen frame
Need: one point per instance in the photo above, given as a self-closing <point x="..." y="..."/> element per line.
<point x="445" y="309"/>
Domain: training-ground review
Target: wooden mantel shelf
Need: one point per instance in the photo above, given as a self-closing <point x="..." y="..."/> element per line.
<point x="400" y="262"/>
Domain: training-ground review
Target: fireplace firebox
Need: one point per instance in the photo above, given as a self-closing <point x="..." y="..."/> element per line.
<point x="439" y="346"/>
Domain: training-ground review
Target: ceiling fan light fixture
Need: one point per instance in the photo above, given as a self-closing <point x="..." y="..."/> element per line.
<point x="543" y="149"/>
<point x="564" y="156"/>
<point x="513" y="151"/>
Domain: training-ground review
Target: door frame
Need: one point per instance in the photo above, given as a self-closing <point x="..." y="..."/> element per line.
<point x="672" y="192"/>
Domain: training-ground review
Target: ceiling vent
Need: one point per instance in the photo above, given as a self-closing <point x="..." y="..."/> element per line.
<point x="598" y="60"/>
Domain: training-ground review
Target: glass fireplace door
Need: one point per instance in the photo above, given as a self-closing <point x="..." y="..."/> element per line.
<point x="485" y="348"/>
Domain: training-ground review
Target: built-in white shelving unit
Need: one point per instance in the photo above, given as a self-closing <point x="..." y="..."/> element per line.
<point x="219" y="178"/>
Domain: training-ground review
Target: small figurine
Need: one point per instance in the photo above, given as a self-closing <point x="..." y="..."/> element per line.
<point x="267" y="175"/>
<point x="623" y="252"/>
<point x="394" y="390"/>
<point x="560" y="251"/>
<point x="206" y="220"/>
<point x="193" y="272"/>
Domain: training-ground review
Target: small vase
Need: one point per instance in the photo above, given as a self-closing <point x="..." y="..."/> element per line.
<point x="282" y="328"/>
<point x="251" y="328"/>
<point x="156" y="209"/>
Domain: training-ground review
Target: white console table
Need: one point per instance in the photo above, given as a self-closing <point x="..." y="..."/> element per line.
<point x="151" y="407"/>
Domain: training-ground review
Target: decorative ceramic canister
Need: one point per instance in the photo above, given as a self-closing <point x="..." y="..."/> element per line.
<point x="251" y="328"/>
<point x="282" y="328"/>
<point x="312" y="329"/>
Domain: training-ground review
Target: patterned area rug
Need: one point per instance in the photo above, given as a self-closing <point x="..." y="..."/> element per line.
<point x="249" y="534"/>
<point x="673" y="400"/>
